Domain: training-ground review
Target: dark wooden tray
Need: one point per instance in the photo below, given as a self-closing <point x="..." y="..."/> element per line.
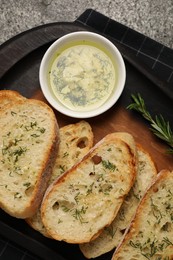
<point x="20" y="60"/>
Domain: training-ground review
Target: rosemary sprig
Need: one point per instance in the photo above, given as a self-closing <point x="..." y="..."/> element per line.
<point x="159" y="126"/>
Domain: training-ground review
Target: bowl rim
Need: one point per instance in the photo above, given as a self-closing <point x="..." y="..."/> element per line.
<point x="45" y="65"/>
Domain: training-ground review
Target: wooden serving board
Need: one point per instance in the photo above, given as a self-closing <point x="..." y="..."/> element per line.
<point x="19" y="68"/>
<point x="120" y="119"/>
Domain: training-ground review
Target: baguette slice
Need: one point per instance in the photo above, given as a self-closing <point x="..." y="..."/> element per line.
<point x="28" y="140"/>
<point x="150" y="235"/>
<point x="9" y="96"/>
<point x="75" y="141"/>
<point x="75" y="207"/>
<point x="112" y="235"/>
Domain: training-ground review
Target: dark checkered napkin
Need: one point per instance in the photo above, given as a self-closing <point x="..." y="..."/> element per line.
<point x="156" y="56"/>
<point x="11" y="251"/>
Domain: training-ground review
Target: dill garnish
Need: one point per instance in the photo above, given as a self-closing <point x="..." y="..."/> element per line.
<point x="159" y="126"/>
<point x="151" y="247"/>
<point x="108" y="165"/>
<point x="78" y="214"/>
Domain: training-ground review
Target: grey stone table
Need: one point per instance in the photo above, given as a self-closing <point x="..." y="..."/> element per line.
<point x="153" y="18"/>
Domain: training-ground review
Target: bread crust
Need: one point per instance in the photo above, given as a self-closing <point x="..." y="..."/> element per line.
<point x="7" y="97"/>
<point x="150" y="234"/>
<point x="77" y="232"/>
<point x="75" y="141"/>
<point x="12" y="201"/>
<point x="112" y="235"/>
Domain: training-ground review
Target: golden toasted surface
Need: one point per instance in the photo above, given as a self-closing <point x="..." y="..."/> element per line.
<point x="28" y="140"/>
<point x="9" y="96"/>
<point x="75" y="141"/>
<point x="75" y="207"/>
<point x="150" y="235"/>
<point x="112" y="235"/>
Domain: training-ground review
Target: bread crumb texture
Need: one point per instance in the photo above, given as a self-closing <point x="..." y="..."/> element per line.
<point x="26" y="139"/>
<point x="151" y="233"/>
<point x="75" y="141"/>
<point x="113" y="234"/>
<point x="76" y="207"/>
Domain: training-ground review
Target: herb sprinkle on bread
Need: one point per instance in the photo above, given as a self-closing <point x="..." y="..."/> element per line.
<point x="112" y="235"/>
<point x="75" y="141"/>
<point x="28" y="139"/>
<point x="75" y="207"/>
<point x="150" y="235"/>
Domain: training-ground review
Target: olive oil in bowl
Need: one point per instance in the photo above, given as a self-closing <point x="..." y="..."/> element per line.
<point x="82" y="77"/>
<point x="82" y="74"/>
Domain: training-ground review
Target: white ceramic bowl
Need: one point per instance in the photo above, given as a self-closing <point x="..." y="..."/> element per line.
<point x="102" y="44"/>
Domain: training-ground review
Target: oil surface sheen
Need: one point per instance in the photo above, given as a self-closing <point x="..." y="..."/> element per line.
<point x="82" y="77"/>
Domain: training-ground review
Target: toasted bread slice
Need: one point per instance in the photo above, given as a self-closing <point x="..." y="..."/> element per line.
<point x="150" y="235"/>
<point x="75" y="207"/>
<point x="112" y="235"/>
<point x="75" y="141"/>
<point x="28" y="139"/>
<point x="9" y="96"/>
